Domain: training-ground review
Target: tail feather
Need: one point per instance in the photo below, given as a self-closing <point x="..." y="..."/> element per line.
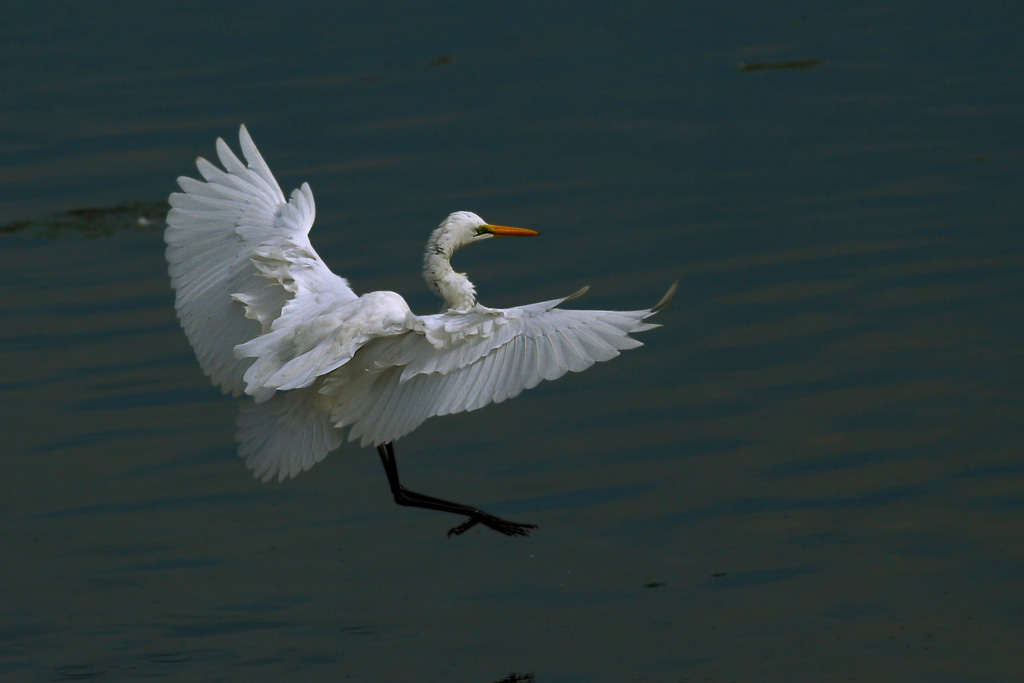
<point x="287" y="434"/>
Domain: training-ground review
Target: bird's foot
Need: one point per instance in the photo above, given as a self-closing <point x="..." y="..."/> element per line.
<point x="492" y="522"/>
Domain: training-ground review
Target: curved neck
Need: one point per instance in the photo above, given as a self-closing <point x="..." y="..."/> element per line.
<point x="455" y="288"/>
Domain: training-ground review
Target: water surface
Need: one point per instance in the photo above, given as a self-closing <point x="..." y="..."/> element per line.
<point x="811" y="472"/>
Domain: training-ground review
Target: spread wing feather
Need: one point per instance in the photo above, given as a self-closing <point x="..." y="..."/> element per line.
<point x="393" y="384"/>
<point x="239" y="254"/>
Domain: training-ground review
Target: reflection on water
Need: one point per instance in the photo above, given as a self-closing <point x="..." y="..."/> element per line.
<point x="811" y="472"/>
<point x="516" y="678"/>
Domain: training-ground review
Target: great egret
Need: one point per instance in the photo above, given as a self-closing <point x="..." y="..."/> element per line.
<point x="267" y="318"/>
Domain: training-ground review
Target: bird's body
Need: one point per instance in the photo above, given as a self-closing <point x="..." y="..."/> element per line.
<point x="267" y="318"/>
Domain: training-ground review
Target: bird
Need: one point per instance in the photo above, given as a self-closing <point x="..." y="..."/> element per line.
<point x="269" y="320"/>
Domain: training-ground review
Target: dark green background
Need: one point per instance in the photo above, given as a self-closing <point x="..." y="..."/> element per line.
<point x="813" y="471"/>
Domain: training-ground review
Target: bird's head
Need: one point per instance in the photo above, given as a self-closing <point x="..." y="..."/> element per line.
<point x="465" y="227"/>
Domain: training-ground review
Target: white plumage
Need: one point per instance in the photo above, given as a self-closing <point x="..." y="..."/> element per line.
<point x="267" y="318"/>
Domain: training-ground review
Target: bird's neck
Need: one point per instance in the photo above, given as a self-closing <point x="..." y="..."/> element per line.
<point x="455" y="288"/>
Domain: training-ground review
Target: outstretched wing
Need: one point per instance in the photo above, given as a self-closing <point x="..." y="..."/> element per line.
<point x="239" y="256"/>
<point x="465" y="360"/>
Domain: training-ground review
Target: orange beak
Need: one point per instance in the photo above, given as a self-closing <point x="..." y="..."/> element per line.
<point x="505" y="231"/>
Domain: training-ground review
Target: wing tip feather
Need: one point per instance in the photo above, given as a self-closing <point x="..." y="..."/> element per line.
<point x="667" y="299"/>
<point x="577" y="294"/>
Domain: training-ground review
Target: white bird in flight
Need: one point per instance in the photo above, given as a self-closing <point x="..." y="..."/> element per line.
<point x="268" y="318"/>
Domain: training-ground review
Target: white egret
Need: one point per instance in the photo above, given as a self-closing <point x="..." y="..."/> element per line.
<point x="267" y="318"/>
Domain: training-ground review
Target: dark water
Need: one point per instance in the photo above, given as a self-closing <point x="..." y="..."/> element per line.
<point x="812" y="472"/>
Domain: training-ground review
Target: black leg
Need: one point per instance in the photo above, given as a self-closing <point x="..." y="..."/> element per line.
<point x="404" y="496"/>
